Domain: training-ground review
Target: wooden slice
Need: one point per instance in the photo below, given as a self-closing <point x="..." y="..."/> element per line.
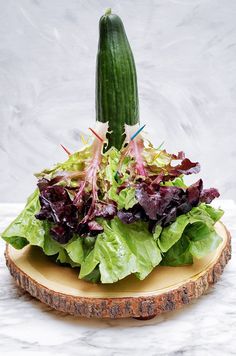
<point x="165" y="289"/>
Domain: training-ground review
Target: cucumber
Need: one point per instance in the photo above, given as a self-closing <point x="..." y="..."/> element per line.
<point x="116" y="80"/>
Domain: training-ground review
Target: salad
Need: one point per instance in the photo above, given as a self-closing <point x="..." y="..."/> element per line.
<point x="119" y="212"/>
<point x="119" y="206"/>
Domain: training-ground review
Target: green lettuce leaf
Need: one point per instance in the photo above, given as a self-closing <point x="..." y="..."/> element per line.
<point x="177" y="182"/>
<point x="64" y="258"/>
<point x="157" y="232"/>
<point x="75" y="249"/>
<point x="156" y="158"/>
<point x="172" y="233"/>
<point x="125" y="199"/>
<point x="94" y="276"/>
<point x="91" y="261"/>
<point x="178" y="254"/>
<point x="122" y="250"/>
<point x="75" y="163"/>
<point x="202" y="239"/>
<point x="191" y="235"/>
<point x="108" y="169"/>
<point x="26" y="228"/>
<point x="214" y="213"/>
<point x="50" y="246"/>
<point x="109" y="165"/>
<point x="111" y="181"/>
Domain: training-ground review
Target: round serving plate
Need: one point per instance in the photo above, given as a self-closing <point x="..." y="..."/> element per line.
<point x="165" y="289"/>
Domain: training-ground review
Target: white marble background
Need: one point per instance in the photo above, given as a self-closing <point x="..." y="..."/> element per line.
<point x="185" y="54"/>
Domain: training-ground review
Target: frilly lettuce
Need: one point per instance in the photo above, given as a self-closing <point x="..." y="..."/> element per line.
<point x="110" y="181"/>
<point x="75" y="163"/>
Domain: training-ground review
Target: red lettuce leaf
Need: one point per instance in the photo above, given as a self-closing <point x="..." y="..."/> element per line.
<point x="91" y="228"/>
<point x="163" y="204"/>
<point x="208" y="195"/>
<point x="68" y="218"/>
<point x="185" y="167"/>
<point x="61" y="234"/>
<point x="131" y="215"/>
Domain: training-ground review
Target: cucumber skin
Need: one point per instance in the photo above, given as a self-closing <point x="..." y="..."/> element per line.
<point x="116" y="80"/>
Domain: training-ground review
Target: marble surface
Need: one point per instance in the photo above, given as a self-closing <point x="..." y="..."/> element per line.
<point x="185" y="54"/>
<point x="205" y="328"/>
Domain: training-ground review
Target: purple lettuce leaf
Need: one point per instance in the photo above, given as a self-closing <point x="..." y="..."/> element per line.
<point x="90" y="228"/>
<point x="185" y="167"/>
<point x="156" y="202"/>
<point x="207" y="195"/>
<point x="133" y="214"/>
<point x="68" y="218"/>
<point x="106" y="210"/>
<point x="163" y="204"/>
<point x="61" y="234"/>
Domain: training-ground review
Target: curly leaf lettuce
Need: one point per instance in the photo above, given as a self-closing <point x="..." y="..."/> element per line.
<point x="75" y="163"/>
<point x="126" y="199"/>
<point x="112" y="181"/>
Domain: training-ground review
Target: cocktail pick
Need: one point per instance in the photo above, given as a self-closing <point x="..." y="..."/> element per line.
<point x="95" y="134"/>
<point x="65" y="149"/>
<point x="137" y="132"/>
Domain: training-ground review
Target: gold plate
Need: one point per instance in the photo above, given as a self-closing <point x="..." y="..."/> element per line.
<point x="166" y="288"/>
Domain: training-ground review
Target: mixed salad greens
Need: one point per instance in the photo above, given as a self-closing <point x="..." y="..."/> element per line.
<point x="119" y="212"/>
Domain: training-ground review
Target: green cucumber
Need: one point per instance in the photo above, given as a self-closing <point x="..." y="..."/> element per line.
<point x="116" y="80"/>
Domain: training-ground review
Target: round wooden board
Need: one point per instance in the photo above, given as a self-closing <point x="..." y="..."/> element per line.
<point x="165" y="289"/>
